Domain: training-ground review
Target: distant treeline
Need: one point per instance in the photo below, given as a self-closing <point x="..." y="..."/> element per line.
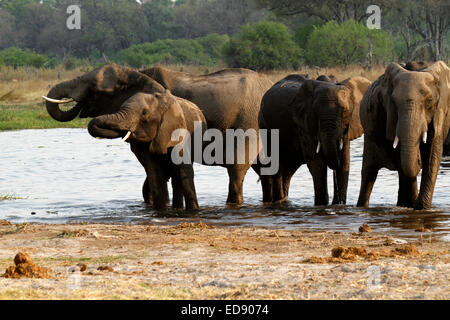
<point x="257" y="34"/>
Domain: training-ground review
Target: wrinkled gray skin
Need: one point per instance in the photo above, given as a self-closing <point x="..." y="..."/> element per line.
<point x="308" y="112"/>
<point x="151" y="119"/>
<point x="406" y="104"/>
<point x="229" y="99"/>
<point x="103" y="91"/>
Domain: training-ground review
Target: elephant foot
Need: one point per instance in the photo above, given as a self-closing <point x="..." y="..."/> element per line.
<point x="419" y="205"/>
<point x="339" y="201"/>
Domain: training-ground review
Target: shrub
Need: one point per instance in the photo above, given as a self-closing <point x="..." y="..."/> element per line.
<point x="346" y="43"/>
<point x="201" y="51"/>
<point x="263" y="46"/>
<point x="16" y="57"/>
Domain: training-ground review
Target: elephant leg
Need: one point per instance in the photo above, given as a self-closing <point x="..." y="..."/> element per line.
<point x="267" y="189"/>
<point x="288" y="172"/>
<point x="340" y="176"/>
<point x="369" y="173"/>
<point x="186" y="174"/>
<point x="431" y="161"/>
<point x="407" y="191"/>
<point x="277" y="187"/>
<point x="318" y="170"/>
<point x="266" y="184"/>
<point x="157" y="181"/>
<point x="146" y="193"/>
<point x="236" y="174"/>
<point x="155" y="176"/>
<point x="177" y="191"/>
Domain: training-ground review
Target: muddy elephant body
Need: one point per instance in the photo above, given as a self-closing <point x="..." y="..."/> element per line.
<point x="406" y="119"/>
<point x="150" y="121"/>
<point x="316" y="122"/>
<point x="229" y="99"/>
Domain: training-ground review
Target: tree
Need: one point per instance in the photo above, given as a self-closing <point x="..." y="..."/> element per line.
<point x="263" y="46"/>
<point x="201" y="17"/>
<point x="424" y="23"/>
<point x="327" y="10"/>
<point x="346" y="43"/>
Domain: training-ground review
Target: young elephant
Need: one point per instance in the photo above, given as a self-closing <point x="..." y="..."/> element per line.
<point x="406" y="118"/>
<point x="148" y="121"/>
<point x="316" y="122"/>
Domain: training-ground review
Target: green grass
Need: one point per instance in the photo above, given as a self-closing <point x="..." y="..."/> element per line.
<point x="33" y="116"/>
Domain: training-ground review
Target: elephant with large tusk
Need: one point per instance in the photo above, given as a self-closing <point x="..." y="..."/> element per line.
<point x="406" y="119"/>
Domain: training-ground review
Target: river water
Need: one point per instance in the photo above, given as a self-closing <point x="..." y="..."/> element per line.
<point x="66" y="176"/>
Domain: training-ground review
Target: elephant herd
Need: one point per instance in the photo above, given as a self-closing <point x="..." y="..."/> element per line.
<point x="404" y="116"/>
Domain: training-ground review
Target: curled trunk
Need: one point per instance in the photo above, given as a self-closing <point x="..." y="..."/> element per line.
<point x="63" y="90"/>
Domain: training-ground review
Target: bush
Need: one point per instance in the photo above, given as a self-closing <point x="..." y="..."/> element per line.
<point x="16" y="57"/>
<point x="263" y="46"/>
<point x="206" y="51"/>
<point x="346" y="43"/>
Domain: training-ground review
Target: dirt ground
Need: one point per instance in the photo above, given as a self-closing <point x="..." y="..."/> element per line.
<point x="197" y="261"/>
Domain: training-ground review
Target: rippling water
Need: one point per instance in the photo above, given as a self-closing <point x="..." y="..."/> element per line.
<point x="64" y="175"/>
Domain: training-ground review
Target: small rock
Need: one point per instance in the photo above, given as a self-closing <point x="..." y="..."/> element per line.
<point x="82" y="266"/>
<point x="105" y="268"/>
<point x="365" y="228"/>
<point x="33" y="213"/>
<point x="22" y="258"/>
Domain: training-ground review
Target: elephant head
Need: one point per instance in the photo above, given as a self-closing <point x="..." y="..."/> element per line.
<point x="417" y="108"/>
<point x="99" y="92"/>
<point x="148" y="118"/>
<point x="330" y="112"/>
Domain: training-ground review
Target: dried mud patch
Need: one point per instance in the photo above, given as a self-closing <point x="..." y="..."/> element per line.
<point x="197" y="261"/>
<point x="25" y="268"/>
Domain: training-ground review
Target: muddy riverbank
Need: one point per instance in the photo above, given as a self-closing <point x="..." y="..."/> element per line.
<point x="199" y="261"/>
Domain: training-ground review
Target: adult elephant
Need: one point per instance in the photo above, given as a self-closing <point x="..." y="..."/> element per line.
<point x="229" y="99"/>
<point x="151" y="119"/>
<point x="406" y="118"/>
<point x="316" y="122"/>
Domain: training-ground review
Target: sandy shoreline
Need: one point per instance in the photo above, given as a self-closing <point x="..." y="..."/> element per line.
<point x="197" y="261"/>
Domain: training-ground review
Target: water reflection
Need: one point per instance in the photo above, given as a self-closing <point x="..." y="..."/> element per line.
<point x="64" y="175"/>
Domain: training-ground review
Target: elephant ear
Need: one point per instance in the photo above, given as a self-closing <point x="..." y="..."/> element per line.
<point x="113" y="78"/>
<point x="171" y="120"/>
<point x="304" y="116"/>
<point x="441" y="74"/>
<point x="351" y="99"/>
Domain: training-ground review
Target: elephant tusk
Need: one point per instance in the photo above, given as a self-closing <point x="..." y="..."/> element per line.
<point x="57" y="101"/>
<point x="395" y="142"/>
<point x="126" y="137"/>
<point x="318" y="147"/>
<point x="424" y="138"/>
<point x="341" y="145"/>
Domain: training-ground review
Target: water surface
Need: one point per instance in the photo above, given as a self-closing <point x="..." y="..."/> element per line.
<point x="65" y="175"/>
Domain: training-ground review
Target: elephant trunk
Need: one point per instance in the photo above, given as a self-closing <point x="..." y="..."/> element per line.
<point x="330" y="138"/>
<point x="110" y="126"/>
<point x="409" y="138"/>
<point x="63" y="90"/>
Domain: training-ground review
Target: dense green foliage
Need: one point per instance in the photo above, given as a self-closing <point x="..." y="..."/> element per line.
<point x="16" y="57"/>
<point x="346" y="43"/>
<point x="200" y="51"/>
<point x="262" y="46"/>
<point x="206" y="32"/>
